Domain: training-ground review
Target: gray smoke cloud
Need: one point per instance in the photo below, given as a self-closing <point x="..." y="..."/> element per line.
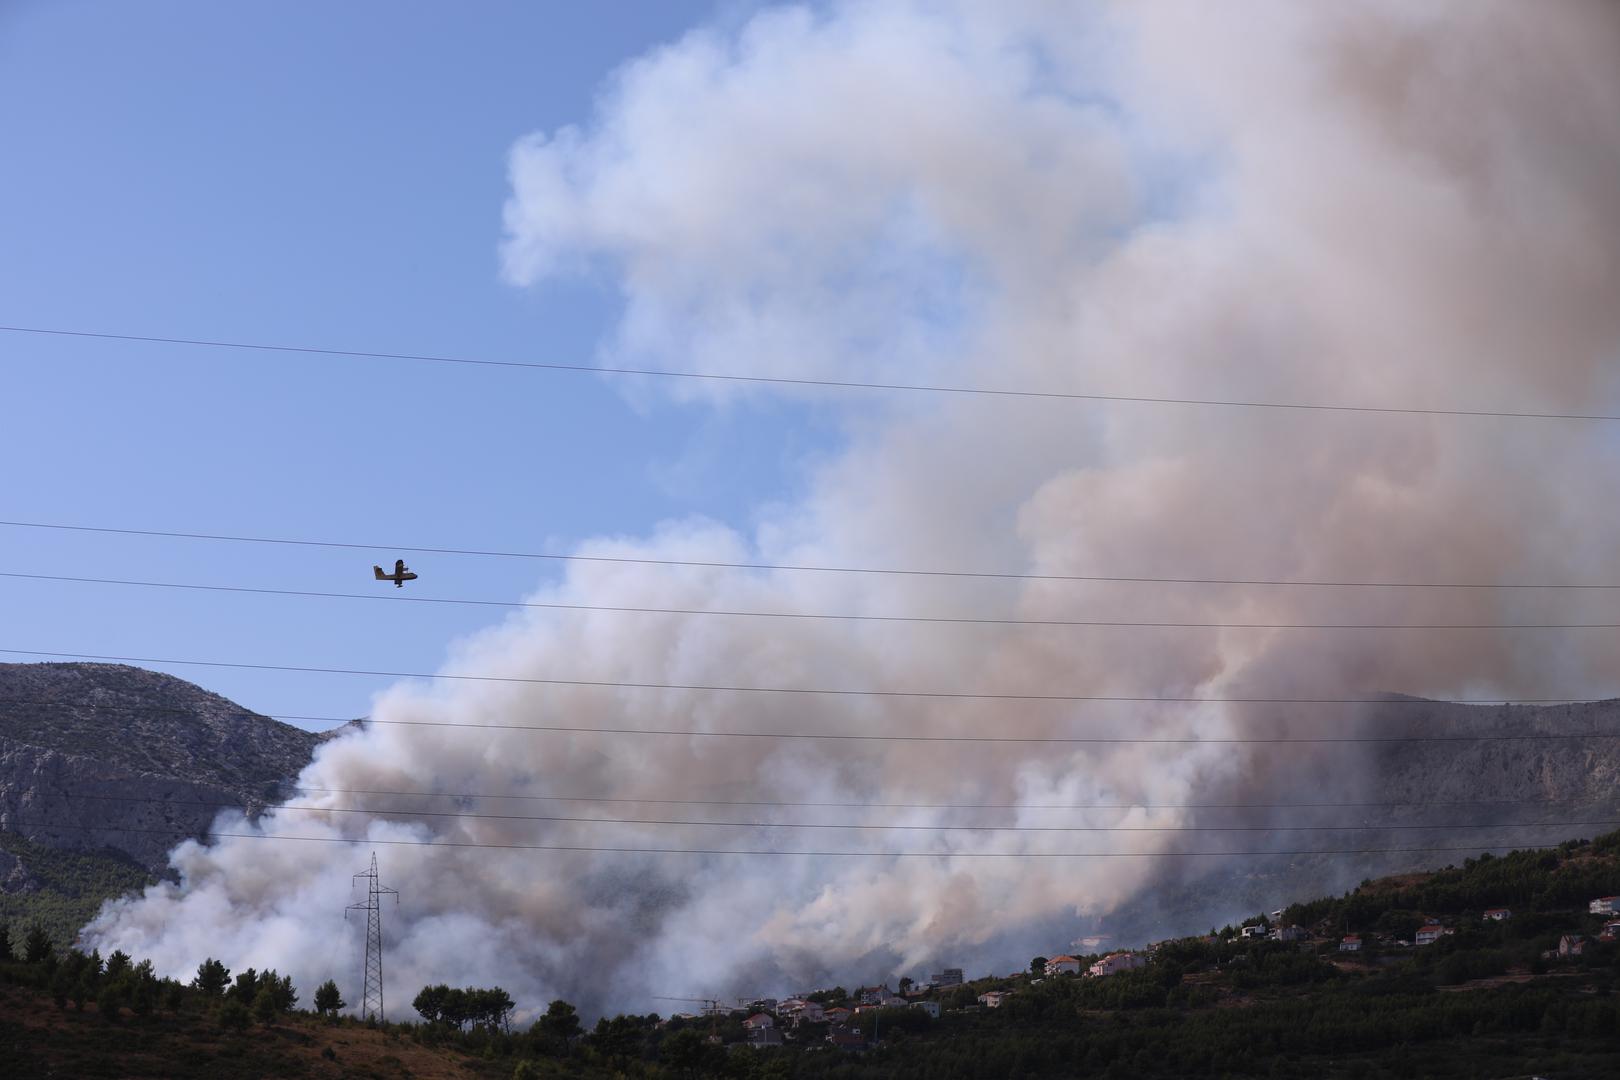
<point x="1372" y="203"/>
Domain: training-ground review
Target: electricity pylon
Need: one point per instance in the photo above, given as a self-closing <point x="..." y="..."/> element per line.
<point x="371" y="997"/>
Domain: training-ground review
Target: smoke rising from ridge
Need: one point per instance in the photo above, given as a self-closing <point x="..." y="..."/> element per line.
<point x="1364" y="204"/>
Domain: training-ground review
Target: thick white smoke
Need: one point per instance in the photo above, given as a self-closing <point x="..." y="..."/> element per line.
<point x="1377" y="203"/>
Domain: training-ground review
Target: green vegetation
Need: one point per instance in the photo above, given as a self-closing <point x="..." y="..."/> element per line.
<point x="73" y="885"/>
<point x="1485" y="1001"/>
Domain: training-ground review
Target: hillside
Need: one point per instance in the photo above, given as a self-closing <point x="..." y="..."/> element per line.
<point x="1489" y="998"/>
<point x="89" y="752"/>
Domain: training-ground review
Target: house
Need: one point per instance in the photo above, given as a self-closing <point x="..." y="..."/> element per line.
<point x="993" y="999"/>
<point x="809" y="1012"/>
<point x="1350" y="943"/>
<point x="1289" y="933"/>
<point x="836" y="1015"/>
<point x="768" y="1036"/>
<point x="1605" y="905"/>
<point x="893" y="1001"/>
<point x="929" y="1007"/>
<point x="1063" y="965"/>
<point x="1571" y="945"/>
<point x="1429" y="933"/>
<point x="1611" y="931"/>
<point x="1254" y="931"/>
<point x="871" y="995"/>
<point x="1114" y="963"/>
<point x="948" y="977"/>
<point x="1498" y="914"/>
<point x="759" y="1021"/>
<point x="845" y="1038"/>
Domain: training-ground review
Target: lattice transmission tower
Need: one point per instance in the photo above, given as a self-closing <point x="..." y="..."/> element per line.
<point x="371" y="997"/>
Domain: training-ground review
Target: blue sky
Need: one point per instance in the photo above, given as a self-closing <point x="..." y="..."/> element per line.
<point x="329" y="175"/>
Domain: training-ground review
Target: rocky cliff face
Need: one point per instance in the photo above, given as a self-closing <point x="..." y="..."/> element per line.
<point x="1388" y="807"/>
<point x="102" y="756"/>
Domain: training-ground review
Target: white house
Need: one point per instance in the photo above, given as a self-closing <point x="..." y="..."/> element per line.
<point x="1289" y="933"/>
<point x="759" y="1021"/>
<point x="1429" y="934"/>
<point x="1254" y="931"/>
<point x="993" y="999"/>
<point x="1063" y="965"/>
<point x="1604" y="905"/>
<point x="1571" y="945"/>
<point x="929" y="1007"/>
<point x="1114" y="963"/>
<point x="1351" y="943"/>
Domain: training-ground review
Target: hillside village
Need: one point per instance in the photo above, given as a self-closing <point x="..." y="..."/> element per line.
<point x="1502" y="966"/>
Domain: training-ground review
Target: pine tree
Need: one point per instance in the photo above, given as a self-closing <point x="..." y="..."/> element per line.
<point x="328" y="999"/>
<point x="38" y="946"/>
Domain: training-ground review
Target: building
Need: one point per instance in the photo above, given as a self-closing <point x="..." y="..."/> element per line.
<point x="759" y="1021"/>
<point x="1254" y="931"/>
<point x="1571" y="945"/>
<point x="1063" y="965"/>
<point x="1611" y="931"/>
<point x="893" y="1001"/>
<point x="846" y="1038"/>
<point x="948" y="977"/>
<point x="1429" y="933"/>
<point x="1605" y="905"/>
<point x="1289" y="933"/>
<point x="929" y="1007"/>
<point x="767" y="1036"/>
<point x="1498" y="914"/>
<point x="871" y="995"/>
<point x="1114" y="963"/>
<point x="993" y="999"/>
<point x="1351" y="943"/>
<point x="836" y="1015"/>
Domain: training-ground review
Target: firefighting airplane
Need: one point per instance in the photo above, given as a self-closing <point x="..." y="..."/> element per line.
<point x="399" y="577"/>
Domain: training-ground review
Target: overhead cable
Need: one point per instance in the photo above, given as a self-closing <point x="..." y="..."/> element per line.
<point x="861" y="826"/>
<point x="618" y="608"/>
<point x="839" y="384"/>
<point x="368" y="841"/>
<point x="987" y="575"/>
<point x="947" y="695"/>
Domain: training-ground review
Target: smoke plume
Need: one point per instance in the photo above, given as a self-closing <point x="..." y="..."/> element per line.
<point x="1374" y="204"/>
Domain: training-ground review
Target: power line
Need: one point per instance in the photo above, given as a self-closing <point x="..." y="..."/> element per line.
<point x="308" y="789"/>
<point x="840" y="384"/>
<point x="808" y="568"/>
<point x="241" y="714"/>
<point x="861" y="826"/>
<point x="869" y="805"/>
<point x="780" y="852"/>
<point x="557" y="606"/>
<point x="574" y="729"/>
<point x="800" y="690"/>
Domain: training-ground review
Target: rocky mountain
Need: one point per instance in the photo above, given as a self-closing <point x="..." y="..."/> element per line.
<point x="104" y="768"/>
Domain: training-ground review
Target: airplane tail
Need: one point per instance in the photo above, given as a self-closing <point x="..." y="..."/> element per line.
<point x="377" y="570"/>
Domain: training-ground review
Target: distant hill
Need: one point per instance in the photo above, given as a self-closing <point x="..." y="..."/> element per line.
<point x="89" y="752"/>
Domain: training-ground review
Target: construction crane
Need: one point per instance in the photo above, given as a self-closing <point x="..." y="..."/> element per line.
<point x="711" y="1006"/>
